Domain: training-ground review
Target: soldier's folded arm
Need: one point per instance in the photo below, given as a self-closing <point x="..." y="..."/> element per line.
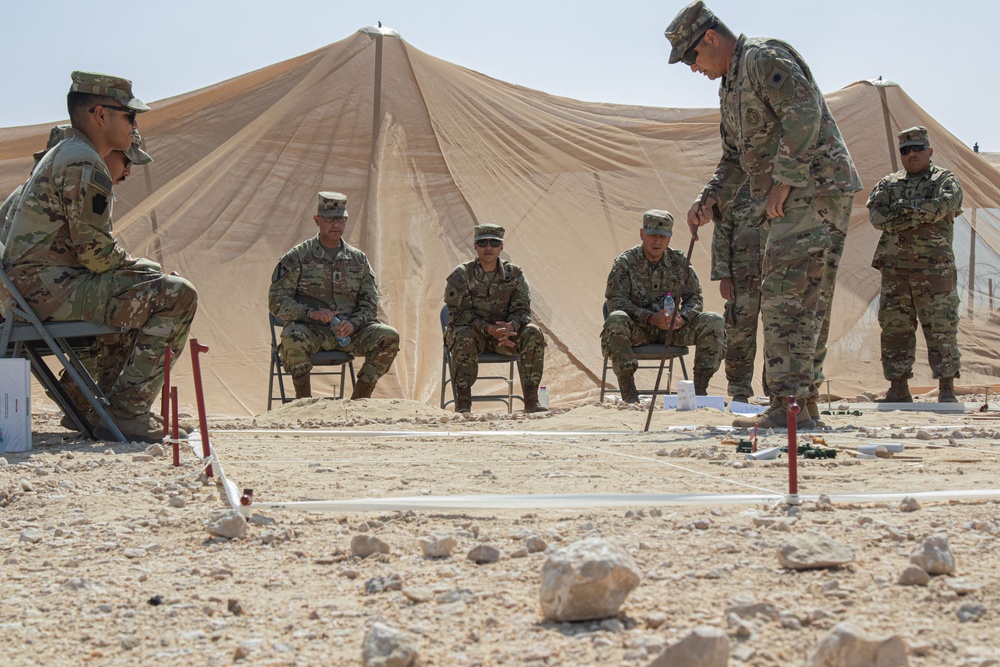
<point x="520" y="304"/>
<point x="281" y="294"/>
<point x="692" y="301"/>
<point x="366" y="300"/>
<point x="88" y="217"/>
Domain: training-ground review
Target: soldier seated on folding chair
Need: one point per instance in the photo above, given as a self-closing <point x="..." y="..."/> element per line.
<point x="63" y="258"/>
<point x="324" y="291"/>
<point x="638" y="284"/>
<point x="489" y="310"/>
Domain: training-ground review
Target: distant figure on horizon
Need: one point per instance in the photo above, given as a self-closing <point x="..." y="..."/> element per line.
<point x="779" y="136"/>
<point x="489" y="310"/>
<point x="975" y="147"/>
<point x="324" y="291"/>
<point x="915" y="209"/>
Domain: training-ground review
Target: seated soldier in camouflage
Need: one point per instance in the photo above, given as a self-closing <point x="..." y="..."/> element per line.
<point x="324" y="291"/>
<point x="67" y="264"/>
<point x="737" y="241"/>
<point x="489" y="310"/>
<point x="915" y="210"/>
<point x="639" y="281"/>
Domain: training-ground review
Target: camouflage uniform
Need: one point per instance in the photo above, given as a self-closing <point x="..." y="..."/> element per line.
<point x="737" y="242"/>
<point x="915" y="213"/>
<point x="777" y="130"/>
<point x="310" y="277"/>
<point x="63" y="258"/>
<point x="636" y="290"/>
<point x="476" y="300"/>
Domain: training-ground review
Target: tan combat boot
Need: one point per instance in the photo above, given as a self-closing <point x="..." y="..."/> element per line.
<point x="362" y="389"/>
<point x="626" y="383"/>
<point x="899" y="392"/>
<point x="463" y="400"/>
<point x="812" y="409"/>
<point x="776" y="417"/>
<point x="946" y="391"/>
<point x="531" y="403"/>
<point x="303" y="388"/>
<point x="740" y="398"/>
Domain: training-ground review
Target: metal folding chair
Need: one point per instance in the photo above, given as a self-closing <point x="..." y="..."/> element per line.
<point x="24" y="335"/>
<point x="652" y="352"/>
<point x="341" y="361"/>
<point x="484" y="358"/>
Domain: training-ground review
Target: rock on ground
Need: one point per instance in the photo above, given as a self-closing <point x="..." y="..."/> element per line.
<point x="387" y="647"/>
<point x="849" y="646"/>
<point x="704" y="647"/>
<point x="586" y="580"/>
<point x="934" y="555"/>
<point x="813" y="551"/>
<point x="363" y="546"/>
<point x="230" y="525"/>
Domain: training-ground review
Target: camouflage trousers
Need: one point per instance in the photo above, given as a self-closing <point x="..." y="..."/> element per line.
<point x="930" y="297"/>
<point x="104" y="360"/>
<point x="465" y="345"/>
<point x="156" y="310"/>
<point x="840" y="219"/>
<point x="706" y="331"/>
<point x="793" y="301"/>
<point x="378" y="343"/>
<point x="742" y="315"/>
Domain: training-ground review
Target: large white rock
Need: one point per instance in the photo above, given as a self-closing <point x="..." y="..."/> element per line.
<point x="934" y="555"/>
<point x="586" y="580"/>
<point x="848" y="646"/>
<point x="388" y="647"/>
<point x="363" y="546"/>
<point x="230" y="525"/>
<point x="812" y="551"/>
<point x="704" y="647"/>
<point x="437" y="545"/>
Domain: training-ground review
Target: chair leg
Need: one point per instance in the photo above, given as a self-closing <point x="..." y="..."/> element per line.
<point x="604" y="378"/>
<point x="684" y="367"/>
<point x="670" y="374"/>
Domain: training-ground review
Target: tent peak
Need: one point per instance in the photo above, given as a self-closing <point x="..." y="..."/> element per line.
<point x="374" y="31"/>
<point x="882" y="83"/>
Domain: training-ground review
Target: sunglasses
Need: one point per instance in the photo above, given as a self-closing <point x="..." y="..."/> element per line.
<point x="690" y="56"/>
<point x="906" y="150"/>
<point x="492" y="243"/>
<point x="131" y="112"/>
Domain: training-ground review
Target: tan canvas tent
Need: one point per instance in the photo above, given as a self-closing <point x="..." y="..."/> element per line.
<point x="426" y="149"/>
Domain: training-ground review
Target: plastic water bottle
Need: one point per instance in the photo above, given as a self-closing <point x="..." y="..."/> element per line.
<point x="543" y="397"/>
<point x="668" y="304"/>
<point x="343" y="340"/>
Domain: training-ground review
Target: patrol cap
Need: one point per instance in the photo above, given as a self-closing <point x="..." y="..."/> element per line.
<point x="658" y="223"/>
<point x="915" y="136"/>
<point x="691" y="23"/>
<point x="332" y="205"/>
<point x="56" y="134"/>
<point x="135" y="154"/>
<point x="489" y="232"/>
<point x="107" y="85"/>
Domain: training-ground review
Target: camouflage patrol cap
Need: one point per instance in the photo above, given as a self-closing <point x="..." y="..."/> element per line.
<point x="135" y="154"/>
<point x="689" y="24"/>
<point x="915" y="136"/>
<point x="56" y="134"/>
<point x="489" y="232"/>
<point x="108" y="85"/>
<point x="658" y="223"/>
<point x="332" y="205"/>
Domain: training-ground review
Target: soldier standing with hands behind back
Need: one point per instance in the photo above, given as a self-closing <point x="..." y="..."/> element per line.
<point x="915" y="209"/>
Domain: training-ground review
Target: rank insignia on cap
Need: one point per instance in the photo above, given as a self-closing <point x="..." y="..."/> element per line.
<point x="777" y="77"/>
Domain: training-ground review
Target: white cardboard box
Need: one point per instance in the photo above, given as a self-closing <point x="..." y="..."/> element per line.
<point x="686" y="399"/>
<point x="15" y="405"/>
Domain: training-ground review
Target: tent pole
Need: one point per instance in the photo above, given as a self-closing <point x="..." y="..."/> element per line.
<point x="972" y="265"/>
<point x="377" y="102"/>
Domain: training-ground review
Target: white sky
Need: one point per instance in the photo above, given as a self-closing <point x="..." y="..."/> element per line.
<point x="942" y="54"/>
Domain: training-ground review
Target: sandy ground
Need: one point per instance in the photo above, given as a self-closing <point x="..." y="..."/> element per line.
<point x="92" y="534"/>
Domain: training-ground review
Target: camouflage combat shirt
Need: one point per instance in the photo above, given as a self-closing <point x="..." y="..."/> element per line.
<point x="477" y="299"/>
<point x="776" y="127"/>
<point x="739" y="239"/>
<point x="60" y="233"/>
<point x="638" y="287"/>
<point x="307" y="279"/>
<point x="916" y="214"/>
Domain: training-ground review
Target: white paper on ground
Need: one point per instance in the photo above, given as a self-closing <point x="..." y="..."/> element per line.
<point x="717" y="402"/>
<point x="739" y="408"/>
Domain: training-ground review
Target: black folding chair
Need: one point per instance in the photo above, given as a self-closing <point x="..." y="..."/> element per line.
<point x="340" y="361"/>
<point x="484" y="358"/>
<point x="652" y="352"/>
<point x="24" y="335"/>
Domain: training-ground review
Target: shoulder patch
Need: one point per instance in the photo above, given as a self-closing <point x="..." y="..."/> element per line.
<point x="279" y="272"/>
<point x="776" y="79"/>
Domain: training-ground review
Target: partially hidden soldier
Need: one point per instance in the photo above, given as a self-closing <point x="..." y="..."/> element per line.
<point x="738" y="242"/>
<point x="63" y="258"/>
<point x="915" y="209"/>
<point x="324" y="291"/>
<point x="489" y="310"/>
<point x="779" y="137"/>
<point x="638" y="283"/>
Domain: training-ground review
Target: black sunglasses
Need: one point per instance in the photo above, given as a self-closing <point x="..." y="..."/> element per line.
<point x="906" y="150"/>
<point x="690" y="56"/>
<point x="493" y="243"/>
<point x="131" y="112"/>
